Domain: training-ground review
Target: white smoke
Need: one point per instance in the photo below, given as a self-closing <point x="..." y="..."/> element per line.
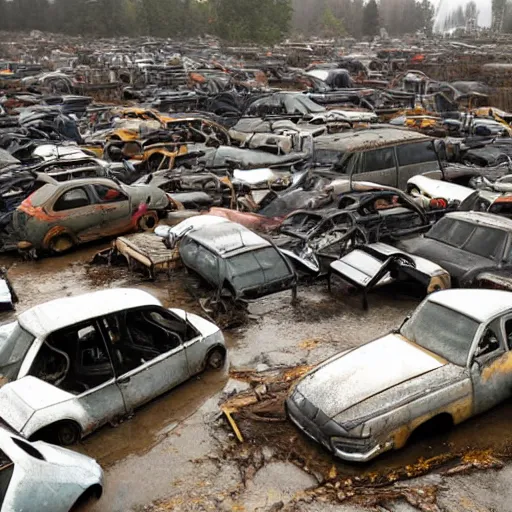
<point x="447" y="6"/>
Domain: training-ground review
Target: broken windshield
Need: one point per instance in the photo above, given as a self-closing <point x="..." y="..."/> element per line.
<point x="14" y="344"/>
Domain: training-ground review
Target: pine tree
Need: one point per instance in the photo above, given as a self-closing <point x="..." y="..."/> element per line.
<point x="371" y="21"/>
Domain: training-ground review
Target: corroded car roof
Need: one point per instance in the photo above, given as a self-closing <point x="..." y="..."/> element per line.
<point x="60" y="313"/>
<point x="368" y="139"/>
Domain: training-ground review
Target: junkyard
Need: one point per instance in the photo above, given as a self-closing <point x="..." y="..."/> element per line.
<point x="256" y="269"/>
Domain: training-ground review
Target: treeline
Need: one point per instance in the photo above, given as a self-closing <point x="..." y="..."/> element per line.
<point x="238" y="21"/>
<point x="502" y="15"/>
<point x="263" y="21"/>
<point x="354" y="18"/>
<point x="459" y="17"/>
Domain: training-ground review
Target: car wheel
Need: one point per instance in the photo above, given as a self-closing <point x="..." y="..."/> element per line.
<point x="67" y="433"/>
<point x="147" y="222"/>
<point x="90" y="495"/>
<point x="60" y="244"/>
<point x="216" y="359"/>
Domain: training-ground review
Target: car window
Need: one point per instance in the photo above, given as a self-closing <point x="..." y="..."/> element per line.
<point x="6" y="472"/>
<point x="417" y="153"/>
<point x="508" y="332"/>
<point x="453" y="334"/>
<point x="487" y="242"/>
<point x="74" y="359"/>
<point x="74" y="198"/>
<point x="108" y="194"/>
<point x="138" y="336"/>
<point x="189" y="249"/>
<point x="488" y="344"/>
<point x="452" y="232"/>
<point x="503" y="208"/>
<point x="207" y="264"/>
<point x="377" y="160"/>
<point x="169" y="321"/>
<point x="327" y="156"/>
<point x="13" y="348"/>
<point x="256" y="268"/>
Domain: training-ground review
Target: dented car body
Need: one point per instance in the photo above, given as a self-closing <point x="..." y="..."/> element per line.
<point x="375" y="265"/>
<point x="59" y="216"/>
<point x="75" y="364"/>
<point x="369" y="400"/>
<point x="234" y="259"/>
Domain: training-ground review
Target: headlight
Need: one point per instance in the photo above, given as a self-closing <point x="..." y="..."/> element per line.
<point x="352" y="444"/>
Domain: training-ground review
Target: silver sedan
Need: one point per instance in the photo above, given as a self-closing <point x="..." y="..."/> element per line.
<point x="450" y="361"/>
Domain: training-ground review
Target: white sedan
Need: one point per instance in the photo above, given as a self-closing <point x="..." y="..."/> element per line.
<point x="76" y="363"/>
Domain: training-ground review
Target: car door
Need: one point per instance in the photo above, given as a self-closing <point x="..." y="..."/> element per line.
<point x="115" y="207"/>
<point x="77" y="360"/>
<point x="195" y="350"/>
<point x="377" y="165"/>
<point x="150" y="356"/>
<point x="74" y="209"/>
<point x="491" y="367"/>
<point x="417" y="158"/>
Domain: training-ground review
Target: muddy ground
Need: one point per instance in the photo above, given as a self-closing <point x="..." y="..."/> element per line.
<point x="178" y="453"/>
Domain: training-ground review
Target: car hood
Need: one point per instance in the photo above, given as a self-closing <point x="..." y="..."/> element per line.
<point x="348" y="379"/>
<point x="456" y="261"/>
<point x="20" y="399"/>
<point x="402" y="394"/>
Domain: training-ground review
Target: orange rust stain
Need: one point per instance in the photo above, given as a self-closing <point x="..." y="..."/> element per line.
<point x="38" y="211"/>
<point x="53" y="232"/>
<point x="502" y="366"/>
<point x="460" y="410"/>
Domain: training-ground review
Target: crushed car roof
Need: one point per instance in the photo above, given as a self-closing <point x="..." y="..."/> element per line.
<point x="481" y="305"/>
<point x="60" y="313"/>
<point x="228" y="238"/>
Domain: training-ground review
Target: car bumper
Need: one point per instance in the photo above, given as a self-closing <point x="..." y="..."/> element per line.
<point x="315" y="432"/>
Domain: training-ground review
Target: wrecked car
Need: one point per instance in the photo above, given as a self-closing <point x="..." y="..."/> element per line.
<point x="61" y="215"/>
<point x="55" y="478"/>
<point x="474" y="247"/>
<point x="366" y="214"/>
<point x="383" y="155"/>
<point x="361" y="403"/>
<point x="374" y="265"/>
<point x="77" y="363"/>
<point x="237" y="262"/>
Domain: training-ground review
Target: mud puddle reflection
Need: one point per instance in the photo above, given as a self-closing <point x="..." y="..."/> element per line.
<point x="153" y="422"/>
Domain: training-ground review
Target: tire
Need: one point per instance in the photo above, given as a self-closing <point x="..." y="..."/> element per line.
<point x="67" y="433"/>
<point x="215" y="359"/>
<point x="147" y="222"/>
<point x="90" y="495"/>
<point x="60" y="244"/>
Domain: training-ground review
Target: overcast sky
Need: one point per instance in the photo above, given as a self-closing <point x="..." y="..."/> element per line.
<point x="484" y="7"/>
